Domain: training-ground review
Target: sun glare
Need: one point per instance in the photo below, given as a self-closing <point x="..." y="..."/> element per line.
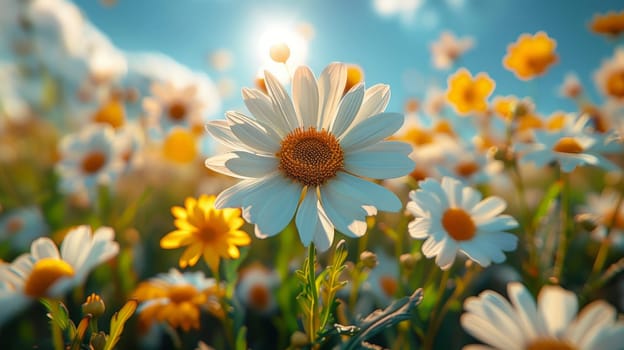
<point x="281" y="37"/>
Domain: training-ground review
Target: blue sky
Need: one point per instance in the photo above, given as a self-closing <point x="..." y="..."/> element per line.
<point x="392" y="49"/>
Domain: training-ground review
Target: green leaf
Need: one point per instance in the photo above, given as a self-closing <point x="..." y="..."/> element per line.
<point x="57" y="312"/>
<point x="117" y="323"/>
<point x="542" y="209"/>
<point x="241" y="343"/>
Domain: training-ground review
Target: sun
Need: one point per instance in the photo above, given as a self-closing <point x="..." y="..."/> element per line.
<point x="283" y="38"/>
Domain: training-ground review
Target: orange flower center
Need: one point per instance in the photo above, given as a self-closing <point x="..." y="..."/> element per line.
<point x="418" y="136"/>
<point x="549" y="344"/>
<point x="92" y="162"/>
<point x="389" y="285"/>
<point x="419" y="174"/>
<point x="259" y="297"/>
<point x="177" y="111"/>
<point x="207" y="233"/>
<point x="466" y="169"/>
<point x="310" y="157"/>
<point x="14" y="225"/>
<point x="112" y="113"/>
<point x="458" y="224"/>
<point x="610" y="218"/>
<point x="45" y="272"/>
<point x="181" y="293"/>
<point x="615" y="84"/>
<point x="539" y="63"/>
<point x="469" y="94"/>
<point x="567" y="145"/>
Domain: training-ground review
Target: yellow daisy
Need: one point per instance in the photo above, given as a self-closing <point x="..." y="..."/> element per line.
<point x="205" y="230"/>
<point x="610" y="24"/>
<point x="468" y="95"/>
<point x="531" y="55"/>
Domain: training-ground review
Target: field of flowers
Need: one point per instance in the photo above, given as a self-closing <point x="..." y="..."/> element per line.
<point x="136" y="214"/>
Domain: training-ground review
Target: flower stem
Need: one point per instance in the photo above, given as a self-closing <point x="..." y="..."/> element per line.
<point x="435" y="319"/>
<point x="562" y="244"/>
<point x="312" y="321"/>
<point x="601" y="256"/>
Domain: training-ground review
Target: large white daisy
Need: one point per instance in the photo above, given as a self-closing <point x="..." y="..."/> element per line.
<point x="309" y="156"/>
<point x="47" y="272"/>
<point x="453" y="218"/>
<point x="551" y="324"/>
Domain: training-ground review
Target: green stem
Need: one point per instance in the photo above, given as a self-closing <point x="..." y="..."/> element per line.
<point x="433" y="320"/>
<point x="603" y="251"/>
<point x="562" y="244"/>
<point x="312" y="283"/>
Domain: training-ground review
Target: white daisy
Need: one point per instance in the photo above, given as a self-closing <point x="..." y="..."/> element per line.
<point x="602" y="209"/>
<point x="171" y="106"/>
<point x="257" y="287"/>
<point x="571" y="86"/>
<point x="309" y="155"/>
<point x="570" y="146"/>
<point x="610" y="77"/>
<point x="89" y="158"/>
<point x="551" y="324"/>
<point x="454" y="218"/>
<point x="21" y="226"/>
<point x="47" y="272"/>
<point x="469" y="164"/>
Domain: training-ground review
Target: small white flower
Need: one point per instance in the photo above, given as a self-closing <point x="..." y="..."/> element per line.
<point x="551" y="324"/>
<point x="453" y="218"/>
<point x="171" y="106"/>
<point x="449" y="49"/>
<point x="47" y="272"/>
<point x="89" y="158"/>
<point x="610" y="77"/>
<point x="256" y="288"/>
<point x="602" y="208"/>
<point x="21" y="226"/>
<point x="571" y="87"/>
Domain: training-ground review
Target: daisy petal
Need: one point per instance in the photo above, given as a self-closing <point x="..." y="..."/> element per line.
<point x="383" y="160"/>
<point x="366" y="192"/>
<point x="376" y="100"/>
<point x="220" y="130"/>
<point x="331" y="84"/>
<point x="255" y="135"/>
<point x="261" y="107"/>
<point x="44" y="248"/>
<point x="281" y="101"/>
<point x="371" y="130"/>
<point x="312" y="223"/>
<point x="306" y="96"/>
<point x="344" y="213"/>
<point x="251" y="165"/>
<point x="271" y="212"/>
<point x="557" y="307"/>
<point x="349" y="106"/>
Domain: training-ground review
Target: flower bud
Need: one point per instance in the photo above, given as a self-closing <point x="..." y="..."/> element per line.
<point x="368" y="259"/>
<point x="94" y="306"/>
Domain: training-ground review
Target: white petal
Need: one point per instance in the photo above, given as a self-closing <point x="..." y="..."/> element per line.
<point x="487" y="208"/>
<point x="371" y="131"/>
<point x="419" y="228"/>
<point x="435" y="189"/>
<point x="383" y="160"/>
<point x="453" y="189"/>
<point x="598" y="314"/>
<point x="487" y="332"/>
<point x="526" y="309"/>
<point x="281" y="101"/>
<point x="349" y="106"/>
<point x="234" y="196"/>
<point x="273" y="212"/>
<point x="75" y="245"/>
<point x="498" y="223"/>
<point x="366" y="192"/>
<point x="255" y="135"/>
<point x="217" y="163"/>
<point x="312" y="222"/>
<point x="44" y="248"/>
<point x="306" y="96"/>
<point x="331" y="84"/>
<point x="261" y="107"/>
<point x="375" y="101"/>
<point x="345" y="214"/>
<point x="557" y="307"/>
<point x="220" y="130"/>
<point x="251" y="165"/>
<point x="475" y="252"/>
<point x="447" y="255"/>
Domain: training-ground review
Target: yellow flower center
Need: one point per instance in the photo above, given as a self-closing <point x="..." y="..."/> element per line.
<point x="458" y="224"/>
<point x="177" y="111"/>
<point x="207" y="233"/>
<point x="466" y="169"/>
<point x="389" y="285"/>
<point x="309" y="156"/>
<point x="567" y="145"/>
<point x="418" y="136"/>
<point x="44" y="274"/>
<point x="259" y="297"/>
<point x="615" y="84"/>
<point x="549" y="344"/>
<point x="469" y="94"/>
<point x="92" y="162"/>
<point x="180" y="146"/>
<point x="181" y="293"/>
<point x="112" y="113"/>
